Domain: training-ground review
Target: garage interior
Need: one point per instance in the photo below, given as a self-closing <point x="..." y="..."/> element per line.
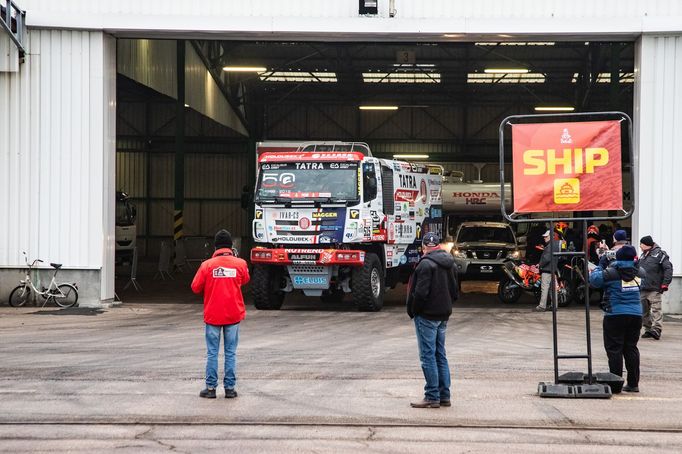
<point x="442" y="101"/>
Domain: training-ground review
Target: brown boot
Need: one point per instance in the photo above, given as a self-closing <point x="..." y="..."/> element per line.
<point x="426" y="404"/>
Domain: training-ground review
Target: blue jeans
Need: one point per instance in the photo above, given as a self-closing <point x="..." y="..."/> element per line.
<point x="431" y="342"/>
<point x="230" y="339"/>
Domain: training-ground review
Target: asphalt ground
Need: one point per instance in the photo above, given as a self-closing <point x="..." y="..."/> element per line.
<point x="314" y="378"/>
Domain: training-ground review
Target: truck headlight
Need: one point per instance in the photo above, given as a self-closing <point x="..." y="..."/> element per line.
<point x="513" y="254"/>
<point x="258" y="230"/>
<point x="457" y="253"/>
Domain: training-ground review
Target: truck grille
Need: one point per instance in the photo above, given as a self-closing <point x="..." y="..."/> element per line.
<point x="306" y="269"/>
<point x="485" y="254"/>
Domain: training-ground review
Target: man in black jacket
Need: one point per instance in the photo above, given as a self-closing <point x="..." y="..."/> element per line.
<point x="545" y="266"/>
<point x="659" y="274"/>
<point x="431" y="292"/>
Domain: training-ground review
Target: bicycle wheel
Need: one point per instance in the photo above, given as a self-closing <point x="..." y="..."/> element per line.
<point x="20" y="295"/>
<point x="70" y="297"/>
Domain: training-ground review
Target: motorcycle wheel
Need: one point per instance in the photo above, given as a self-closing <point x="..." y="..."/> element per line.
<point x="508" y="291"/>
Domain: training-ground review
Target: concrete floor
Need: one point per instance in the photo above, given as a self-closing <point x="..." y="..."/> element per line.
<point x="317" y="379"/>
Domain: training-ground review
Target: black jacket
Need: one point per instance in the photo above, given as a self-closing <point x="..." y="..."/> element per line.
<point x="659" y="270"/>
<point x="545" y="264"/>
<point x="433" y="287"/>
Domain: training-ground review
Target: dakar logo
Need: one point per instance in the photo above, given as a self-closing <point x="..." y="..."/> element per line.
<point x="221" y="272"/>
<point x="566" y="137"/>
<point x="566" y="191"/>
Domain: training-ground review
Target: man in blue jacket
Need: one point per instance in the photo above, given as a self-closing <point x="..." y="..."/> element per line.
<point x="620" y="280"/>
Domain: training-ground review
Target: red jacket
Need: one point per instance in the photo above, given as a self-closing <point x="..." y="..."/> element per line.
<point x="220" y="279"/>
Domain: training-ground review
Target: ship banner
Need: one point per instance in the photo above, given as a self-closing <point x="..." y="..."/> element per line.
<point x="574" y="166"/>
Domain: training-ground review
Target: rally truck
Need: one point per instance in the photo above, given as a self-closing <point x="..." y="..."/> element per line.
<point x="331" y="219"/>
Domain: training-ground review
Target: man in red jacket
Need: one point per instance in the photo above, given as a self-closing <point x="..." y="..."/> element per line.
<point x="220" y="279"/>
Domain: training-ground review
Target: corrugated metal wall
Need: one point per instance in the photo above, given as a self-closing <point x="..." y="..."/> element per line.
<point x="54" y="139"/>
<point x="153" y="63"/>
<point x="658" y="121"/>
<point x="456" y="132"/>
<point x="213" y="186"/>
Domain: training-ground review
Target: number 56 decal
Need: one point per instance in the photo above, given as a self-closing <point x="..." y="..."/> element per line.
<point x="283" y="180"/>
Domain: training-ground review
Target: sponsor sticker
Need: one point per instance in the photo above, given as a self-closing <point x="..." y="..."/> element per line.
<point x="224" y="273"/>
<point x="326" y="215"/>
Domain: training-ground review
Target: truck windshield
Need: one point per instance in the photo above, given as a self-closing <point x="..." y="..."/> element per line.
<point x="485" y="234"/>
<point x="331" y="181"/>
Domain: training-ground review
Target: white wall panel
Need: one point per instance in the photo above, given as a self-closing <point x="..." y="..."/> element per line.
<point x="53" y="142"/>
<point x="341" y="16"/>
<point x="658" y="122"/>
<point x="203" y="95"/>
<point x="9" y="54"/>
<point x="150" y="62"/>
<point x="153" y="63"/>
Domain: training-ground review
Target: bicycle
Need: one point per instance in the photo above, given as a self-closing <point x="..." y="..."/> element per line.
<point x="63" y="294"/>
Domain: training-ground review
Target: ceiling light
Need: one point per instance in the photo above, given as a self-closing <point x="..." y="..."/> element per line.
<point x="506" y="70"/>
<point x="506" y="78"/>
<point x="554" y="109"/>
<point x="245" y="69"/>
<point x="297" y="76"/>
<point x="410" y="156"/>
<point x="402" y="77"/>
<point x="378" y="107"/>
<point x="452" y="35"/>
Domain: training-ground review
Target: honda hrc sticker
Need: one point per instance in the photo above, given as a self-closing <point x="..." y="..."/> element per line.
<point x="222" y="273"/>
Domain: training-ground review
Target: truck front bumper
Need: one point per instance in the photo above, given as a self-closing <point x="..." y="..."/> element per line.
<point x="320" y="257"/>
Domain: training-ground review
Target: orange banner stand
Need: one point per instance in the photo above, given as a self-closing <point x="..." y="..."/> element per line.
<point x="574" y="166"/>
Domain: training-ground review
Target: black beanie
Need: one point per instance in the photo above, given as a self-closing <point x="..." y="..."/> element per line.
<point x="222" y="239"/>
<point x="626" y="252"/>
<point x="647" y="241"/>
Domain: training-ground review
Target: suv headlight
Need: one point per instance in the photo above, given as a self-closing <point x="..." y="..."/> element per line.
<point x="513" y="254"/>
<point x="459" y="254"/>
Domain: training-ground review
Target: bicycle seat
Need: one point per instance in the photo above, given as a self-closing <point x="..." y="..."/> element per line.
<point x="56" y="266"/>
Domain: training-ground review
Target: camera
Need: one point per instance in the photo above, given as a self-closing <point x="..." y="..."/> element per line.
<point x="610" y="255"/>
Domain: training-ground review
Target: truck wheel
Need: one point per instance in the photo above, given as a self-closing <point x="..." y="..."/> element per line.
<point x="367" y="283"/>
<point x="265" y="286"/>
<point x="508" y="291"/>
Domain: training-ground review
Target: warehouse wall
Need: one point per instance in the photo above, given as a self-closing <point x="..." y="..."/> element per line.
<point x="153" y="63"/>
<point x="451" y="132"/>
<point x="213" y="185"/>
<point x="57" y="125"/>
<point x="658" y="119"/>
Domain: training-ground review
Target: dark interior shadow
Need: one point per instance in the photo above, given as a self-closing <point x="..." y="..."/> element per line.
<point x="70" y="311"/>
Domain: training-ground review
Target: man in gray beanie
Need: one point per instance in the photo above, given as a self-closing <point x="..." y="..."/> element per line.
<point x="659" y="274"/>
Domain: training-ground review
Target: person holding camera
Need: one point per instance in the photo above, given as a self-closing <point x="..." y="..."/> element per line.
<point x="659" y="274"/>
<point x="622" y="313"/>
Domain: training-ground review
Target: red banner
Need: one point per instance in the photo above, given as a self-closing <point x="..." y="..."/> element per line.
<point x="567" y="167"/>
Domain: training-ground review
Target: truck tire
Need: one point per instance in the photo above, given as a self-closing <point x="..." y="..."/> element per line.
<point x="367" y="283"/>
<point x="265" y="286"/>
<point x="507" y="291"/>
